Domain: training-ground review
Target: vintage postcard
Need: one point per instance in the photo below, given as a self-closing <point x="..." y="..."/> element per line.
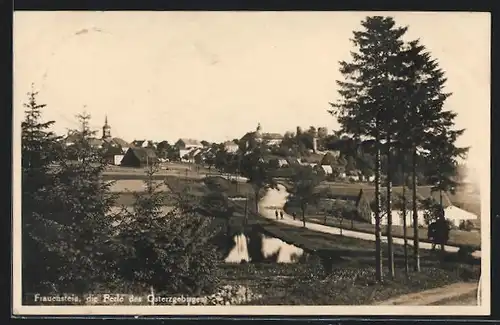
<point x="251" y="163"/>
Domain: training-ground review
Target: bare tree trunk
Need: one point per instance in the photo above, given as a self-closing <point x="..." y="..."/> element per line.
<point x="405" y="230"/>
<point x="256" y="192"/>
<point x="378" y="235"/>
<point x="304" y="215"/>
<point x="416" y="254"/>
<point x="443" y="216"/>
<point x="228" y="226"/>
<point x="389" y="209"/>
<point x="246" y="211"/>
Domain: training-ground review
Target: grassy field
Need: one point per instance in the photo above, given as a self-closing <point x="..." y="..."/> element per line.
<point x="168" y="169"/>
<point x="457" y="237"/>
<point x="136" y="185"/>
<point x="347" y="284"/>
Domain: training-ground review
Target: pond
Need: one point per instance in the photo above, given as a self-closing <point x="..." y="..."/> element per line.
<point x="269" y="248"/>
<point x="248" y="247"/>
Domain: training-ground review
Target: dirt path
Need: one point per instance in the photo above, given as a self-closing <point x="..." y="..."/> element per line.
<point x="462" y="293"/>
<point x="276" y="199"/>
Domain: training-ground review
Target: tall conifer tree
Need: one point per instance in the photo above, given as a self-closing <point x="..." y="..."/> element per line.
<point x="366" y="104"/>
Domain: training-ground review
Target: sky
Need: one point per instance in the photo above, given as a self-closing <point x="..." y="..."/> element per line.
<point x="215" y="75"/>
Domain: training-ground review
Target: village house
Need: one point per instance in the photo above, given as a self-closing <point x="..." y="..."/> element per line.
<point x="366" y="194"/>
<point x="282" y="163"/>
<point x="114" y="148"/>
<point x="139" y="157"/>
<point x="117" y="159"/>
<point x="272" y="139"/>
<point x="231" y="146"/>
<point x="143" y="144"/>
<point x="188" y="144"/>
<point x="190" y="155"/>
<point x="73" y="137"/>
<point x="327" y="169"/>
<point x="186" y="147"/>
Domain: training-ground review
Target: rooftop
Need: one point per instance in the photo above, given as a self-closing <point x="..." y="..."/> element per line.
<point x="191" y="142"/>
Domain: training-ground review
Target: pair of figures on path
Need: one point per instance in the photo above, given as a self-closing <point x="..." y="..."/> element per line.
<point x="279" y="214"/>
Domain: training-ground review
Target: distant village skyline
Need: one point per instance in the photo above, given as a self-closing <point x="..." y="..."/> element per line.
<point x="109" y="128"/>
<point x="215" y="75"/>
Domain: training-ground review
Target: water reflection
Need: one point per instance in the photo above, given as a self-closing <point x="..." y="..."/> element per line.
<point x="253" y="246"/>
<point x="257" y="247"/>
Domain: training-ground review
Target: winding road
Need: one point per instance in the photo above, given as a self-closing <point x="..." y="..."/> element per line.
<point x="275" y="199"/>
<point x="462" y="293"/>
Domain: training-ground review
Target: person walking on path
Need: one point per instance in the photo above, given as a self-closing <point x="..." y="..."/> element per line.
<point x="293" y="215"/>
<point x="281" y="214"/>
<point x="276" y="213"/>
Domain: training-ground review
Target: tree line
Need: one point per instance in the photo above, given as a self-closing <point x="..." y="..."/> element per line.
<point x="392" y="99"/>
<point x="75" y="239"/>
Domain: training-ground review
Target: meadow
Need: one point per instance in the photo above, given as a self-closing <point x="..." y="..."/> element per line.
<point x="341" y="269"/>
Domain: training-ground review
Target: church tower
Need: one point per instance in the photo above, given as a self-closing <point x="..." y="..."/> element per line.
<point x="106" y="129"/>
<point x="258" y="133"/>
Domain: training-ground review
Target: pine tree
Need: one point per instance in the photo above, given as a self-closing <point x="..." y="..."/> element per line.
<point x="424" y="115"/>
<point x="216" y="204"/>
<point x="403" y="210"/>
<point x="168" y="251"/>
<point x="40" y="151"/>
<point x="442" y="160"/>
<point x="366" y="104"/>
<point x="80" y="217"/>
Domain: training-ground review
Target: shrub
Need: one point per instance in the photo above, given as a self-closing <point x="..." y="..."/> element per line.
<point x="364" y="211"/>
<point x="464" y="253"/>
<point x="466" y="225"/>
<point x="172" y="253"/>
<point x="216" y="183"/>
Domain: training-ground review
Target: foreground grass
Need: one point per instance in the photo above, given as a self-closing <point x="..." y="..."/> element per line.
<point x="293" y="284"/>
<point x="304" y="283"/>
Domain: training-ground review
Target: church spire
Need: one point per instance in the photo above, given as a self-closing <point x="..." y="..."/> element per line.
<point x="106" y="129"/>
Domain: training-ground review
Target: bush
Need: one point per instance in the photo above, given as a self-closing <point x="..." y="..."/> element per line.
<point x="364" y="211"/>
<point x="464" y="253"/>
<point x="172" y="253"/>
<point x="216" y="183"/>
<point x="466" y="225"/>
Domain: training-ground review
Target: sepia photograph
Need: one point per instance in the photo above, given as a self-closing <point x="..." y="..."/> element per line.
<point x="251" y="163"/>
